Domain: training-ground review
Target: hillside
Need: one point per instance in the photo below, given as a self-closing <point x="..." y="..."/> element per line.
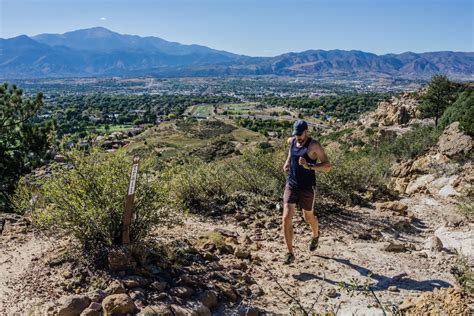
<point x="396" y="228"/>
<point x="101" y="52"/>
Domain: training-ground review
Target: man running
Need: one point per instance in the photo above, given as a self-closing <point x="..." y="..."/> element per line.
<point x="300" y="187"/>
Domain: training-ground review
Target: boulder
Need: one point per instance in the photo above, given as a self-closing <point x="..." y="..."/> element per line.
<point x="453" y="142"/>
<point x="73" y="305"/>
<point x="118" y="304"/>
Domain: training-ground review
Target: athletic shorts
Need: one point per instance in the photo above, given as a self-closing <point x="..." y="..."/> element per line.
<point x="304" y="198"/>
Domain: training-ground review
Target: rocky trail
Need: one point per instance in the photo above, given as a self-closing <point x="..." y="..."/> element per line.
<point x="388" y="254"/>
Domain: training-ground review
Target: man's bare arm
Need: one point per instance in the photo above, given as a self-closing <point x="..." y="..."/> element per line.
<point x="317" y="151"/>
<point x="286" y="166"/>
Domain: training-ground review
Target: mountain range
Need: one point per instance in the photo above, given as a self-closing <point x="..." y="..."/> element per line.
<point x="100" y="52"/>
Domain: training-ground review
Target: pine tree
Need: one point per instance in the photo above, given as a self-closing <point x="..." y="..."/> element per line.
<point x="438" y="97"/>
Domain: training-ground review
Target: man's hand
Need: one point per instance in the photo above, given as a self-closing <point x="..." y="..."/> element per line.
<point x="286" y="167"/>
<point x="303" y="163"/>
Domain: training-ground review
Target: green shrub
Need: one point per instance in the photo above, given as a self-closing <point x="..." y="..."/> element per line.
<point x="206" y="187"/>
<point x="462" y="111"/>
<point x="410" y="144"/>
<point x="86" y="197"/>
<point x="352" y="172"/>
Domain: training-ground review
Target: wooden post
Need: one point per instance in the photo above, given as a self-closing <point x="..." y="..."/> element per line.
<point x="127" y="215"/>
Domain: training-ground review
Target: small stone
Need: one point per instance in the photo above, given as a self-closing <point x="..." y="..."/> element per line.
<point x="256" y="290"/>
<point x="394" y="247"/>
<point x="208" y="299"/>
<point x="248" y="311"/>
<point x="132" y="281"/>
<point x="191" y="309"/>
<point x="228" y="292"/>
<point x="332" y="293"/>
<point x="159" y="286"/>
<point x="67" y="274"/>
<point x="120" y="259"/>
<point x="97" y="296"/>
<point x="182" y="291"/>
<point x="156" y="310"/>
<point x="433" y="244"/>
<point x="393" y="288"/>
<point x="241" y="253"/>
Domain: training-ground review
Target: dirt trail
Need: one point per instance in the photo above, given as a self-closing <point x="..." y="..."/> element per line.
<point x="16" y="256"/>
<point x="348" y="250"/>
<point x="343" y="255"/>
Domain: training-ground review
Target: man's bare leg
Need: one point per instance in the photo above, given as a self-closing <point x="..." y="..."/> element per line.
<point x="312" y="221"/>
<point x="288" y="212"/>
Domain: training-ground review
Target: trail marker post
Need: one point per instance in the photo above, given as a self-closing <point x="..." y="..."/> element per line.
<point x="127" y="215"/>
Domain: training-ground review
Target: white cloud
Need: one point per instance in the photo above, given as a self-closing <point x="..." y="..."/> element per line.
<point x="103" y="18"/>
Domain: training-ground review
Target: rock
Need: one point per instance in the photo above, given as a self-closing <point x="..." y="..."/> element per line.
<point x="73" y="305"/>
<point x="59" y="158"/>
<point x="120" y="259"/>
<point x="118" y="304"/>
<point x="240" y="217"/>
<point x="132" y="281"/>
<point x="156" y="310"/>
<point x="191" y="309"/>
<point x="98" y="295"/>
<point x="256" y="290"/>
<point x="137" y="294"/>
<point x="395" y="206"/>
<point x="459" y="240"/>
<point x="159" y="286"/>
<point x="241" y="253"/>
<point x="419" y="183"/>
<point x="453" y="142"/>
<point x="248" y="311"/>
<point x="115" y="287"/>
<point x="433" y="244"/>
<point x="226" y="232"/>
<point x="393" y="288"/>
<point x="332" y="293"/>
<point x="403" y="225"/>
<point x="394" y="247"/>
<point x="401" y="170"/>
<point x="182" y="291"/>
<point x="90" y="312"/>
<point x="208" y="299"/>
<point x="228" y="291"/>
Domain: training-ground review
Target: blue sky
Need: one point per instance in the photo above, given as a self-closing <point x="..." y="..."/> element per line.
<point x="259" y="27"/>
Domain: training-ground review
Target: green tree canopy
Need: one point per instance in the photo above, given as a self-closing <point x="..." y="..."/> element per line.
<point x="438" y="97"/>
<point x="23" y="143"/>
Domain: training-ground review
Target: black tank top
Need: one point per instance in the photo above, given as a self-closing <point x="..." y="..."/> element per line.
<point x="299" y="177"/>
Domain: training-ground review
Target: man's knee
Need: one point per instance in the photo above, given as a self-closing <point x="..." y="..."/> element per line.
<point x="308" y="216"/>
<point x="288" y="212"/>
